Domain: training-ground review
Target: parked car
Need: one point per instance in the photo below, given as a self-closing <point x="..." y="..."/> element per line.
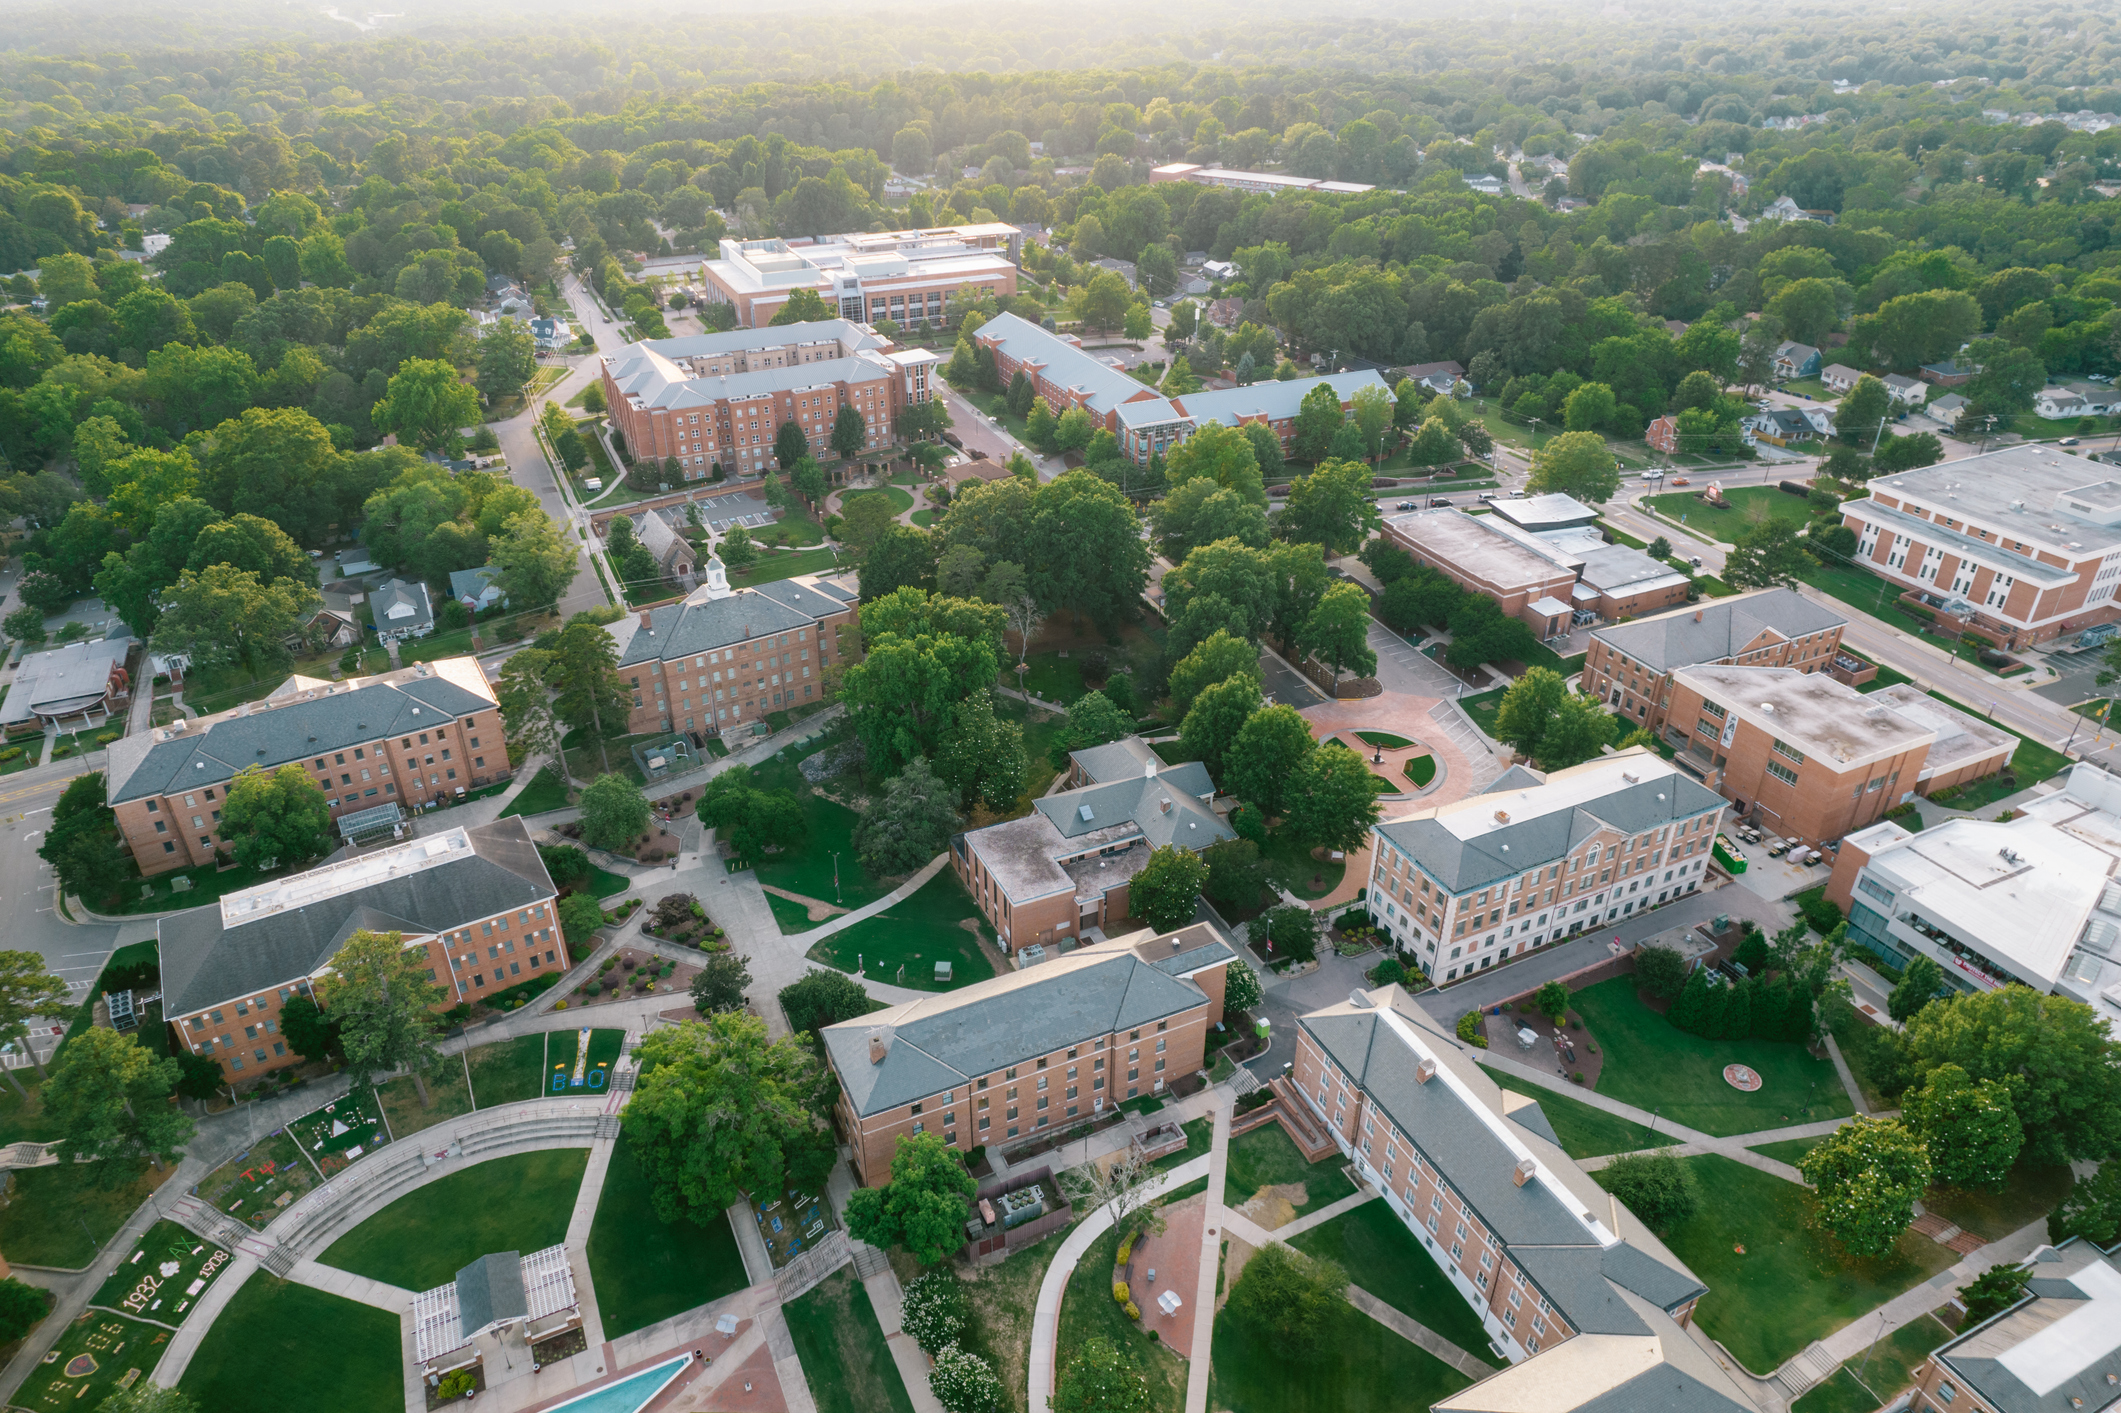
<point x="1439" y="500"/>
<point x="1406" y="505"/>
<point x="2067" y="441"/>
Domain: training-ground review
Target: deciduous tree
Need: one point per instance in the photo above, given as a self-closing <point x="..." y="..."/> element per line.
<point x="910" y="825"/>
<point x="426" y="404"/>
<point x="1338" y="631"/>
<point x="720" y="984"/>
<point x="1099" y="1379"/>
<point x="1218" y="713"/>
<point x="614" y="813"/>
<point x="822" y="997"/>
<point x="1657" y="1187"/>
<point x="1288" y="1301"/>
<point x="1263" y="762"/>
<point x="2053" y="1053"/>
<point x="381" y="998"/>
<point x="1215" y="658"/>
<point x="922" y="1208"/>
<point x="1166" y="892"/>
<point x="1767" y="554"/>
<point x="108" y="1099"/>
<point x="1866" y="1176"/>
<point x="278" y="818"/>
<point x="1331" y="803"/>
<point x="1971" y="1130"/>
<point x="1575" y="464"/>
<point x="28" y="990"/>
<point x="535" y="562"/>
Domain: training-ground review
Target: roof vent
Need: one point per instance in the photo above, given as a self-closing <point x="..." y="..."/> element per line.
<point x="1768" y="708"/>
<point x="1084" y="811"/>
<point x="1425" y="1071"/>
<point x="1502" y="816"/>
<point x="1177" y="942"/>
<point x="1523" y="1172"/>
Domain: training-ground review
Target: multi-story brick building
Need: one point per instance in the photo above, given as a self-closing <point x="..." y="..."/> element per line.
<point x="477" y="902"/>
<point x="1537" y="858"/>
<point x="1586" y="1302"/>
<point x="2057" y="1350"/>
<point x="721" y="659"/>
<point x="1052" y="877"/>
<point x="1550" y="579"/>
<point x="905" y="276"/>
<point x="1145" y="421"/>
<point x="2021" y="544"/>
<point x="1005" y="1060"/>
<point x="710" y="400"/>
<point x="1812" y="759"/>
<point x="1629" y="665"/>
<point x="420" y="733"/>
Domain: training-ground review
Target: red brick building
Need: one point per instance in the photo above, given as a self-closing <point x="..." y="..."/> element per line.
<point x="476" y="902"/>
<point x="1630" y="665"/>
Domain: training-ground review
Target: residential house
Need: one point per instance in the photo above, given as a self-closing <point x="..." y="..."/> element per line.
<point x="336" y="625"/>
<point x="1796" y="360"/>
<point x="1537" y="858"/>
<point x="1947" y="374"/>
<point x="1782" y="208"/>
<point x="551" y="335"/>
<point x="2027" y="902"/>
<point x="1219" y="269"/>
<point x="1839" y="377"/>
<point x="1948" y="409"/>
<point x="1908" y="392"/>
<point x="1436" y="377"/>
<point x="83" y="684"/>
<point x="2058" y="1346"/>
<point x="1486" y="183"/>
<point x="2070" y="400"/>
<point x="475" y="903"/>
<point x="1031" y="1052"/>
<point x="402" y="611"/>
<point x="1630" y="665"/>
<point x="1225" y="313"/>
<point x="1663" y="434"/>
<point x="1780" y="425"/>
<point x="476" y="589"/>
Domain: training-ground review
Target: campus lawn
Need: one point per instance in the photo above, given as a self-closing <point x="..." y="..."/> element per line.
<point x="785" y="564"/>
<point x="926" y="519"/>
<point x="1482" y="706"/>
<point x="117" y="1344"/>
<point x="2029" y="1194"/>
<point x="58" y="1215"/>
<point x="647" y="1270"/>
<point x="1379" y="1254"/>
<point x="1384" y="739"/>
<point x="22" y="1116"/>
<point x="1863" y="1048"/>
<point x="546" y="791"/>
<point x="1788" y="1150"/>
<point x="1726" y="525"/>
<point x="1584" y="1131"/>
<point x="508" y="1071"/>
<point x="1654" y="1065"/>
<point x="138" y="1287"/>
<point x="1871" y="1380"/>
<point x="898" y="499"/>
<point x="448" y="1095"/>
<point x="1289" y="864"/>
<point x="1362" y="1367"/>
<point x="561" y="1049"/>
<point x="936" y="924"/>
<point x="1051" y="676"/>
<point x="827" y="848"/>
<point x="1088" y="1311"/>
<point x="250" y="1185"/>
<point x="1420" y="770"/>
<point x="208" y="885"/>
<point x="420" y="1241"/>
<point x="1002" y="1298"/>
<point x="1791" y="1284"/>
<point x="1267" y="1156"/>
<point x="1200" y="1137"/>
<point x="845" y="1360"/>
<point x="279" y="1345"/>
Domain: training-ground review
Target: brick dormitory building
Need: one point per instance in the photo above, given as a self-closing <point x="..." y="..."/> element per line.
<point x="476" y="901"/>
<point x="1585" y="1301"/>
<point x="1630" y="665"/>
<point x="1006" y="1060"/>
<point x="906" y="276"/>
<point x="405" y="737"/>
<point x="718" y="399"/>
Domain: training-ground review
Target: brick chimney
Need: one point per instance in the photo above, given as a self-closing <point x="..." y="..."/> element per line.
<point x="1523" y="1172"/>
<point x="877" y="1048"/>
<point x="1697" y="615"/>
<point x="644" y="618"/>
<point x="1425" y="1071"/>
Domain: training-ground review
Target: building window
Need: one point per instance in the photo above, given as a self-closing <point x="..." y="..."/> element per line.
<point x="1784" y="748"/>
<point x="1785" y="774"/>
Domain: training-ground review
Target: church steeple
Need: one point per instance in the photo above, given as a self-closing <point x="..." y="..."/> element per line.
<point x="716" y="582"/>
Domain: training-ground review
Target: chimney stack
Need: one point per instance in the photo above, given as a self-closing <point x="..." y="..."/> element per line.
<point x="1523" y="1173"/>
<point x="1425" y="1071"/>
<point x="877" y="1048"/>
<point x="644" y="618"/>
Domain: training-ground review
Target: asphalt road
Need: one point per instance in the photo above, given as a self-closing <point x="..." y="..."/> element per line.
<point x="28" y="888"/>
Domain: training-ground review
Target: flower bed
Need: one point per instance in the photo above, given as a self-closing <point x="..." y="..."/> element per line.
<point x="631" y="974"/>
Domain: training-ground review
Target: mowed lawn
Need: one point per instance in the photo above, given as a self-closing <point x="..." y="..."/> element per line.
<point x="508" y="1071"/>
<point x="1267" y="1157"/>
<point x="914" y="933"/>
<point x="59" y="1215"/>
<point x="420" y="1241"/>
<point x="1379" y="1254"/>
<point x="279" y="1345"/>
<point x="1749" y="506"/>
<point x="1584" y="1132"/>
<point x="1088" y="1311"/>
<point x="1776" y="1282"/>
<point x="646" y="1269"/>
<point x="1654" y="1065"/>
<point x="845" y="1359"/>
<point x="1362" y="1368"/>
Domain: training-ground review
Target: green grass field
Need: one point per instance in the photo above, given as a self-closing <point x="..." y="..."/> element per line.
<point x="561" y="1050"/>
<point x="1749" y="506"/>
<point x="1267" y="1156"/>
<point x="144" y="1287"/>
<point x="546" y="791"/>
<point x="1584" y="1131"/>
<point x="2028" y="1195"/>
<point x="1384" y="739"/>
<point x="92" y="1356"/>
<point x="1420" y="770"/>
<point x="1788" y="1150"/>
<point x="827" y="848"/>
<point x="59" y="1216"/>
<point x="420" y="1241"/>
<point x="914" y="933"/>
<point x="508" y="1071"/>
<point x="1362" y="1368"/>
<point x="784" y="564"/>
<point x="1379" y="1254"/>
<point x="647" y="1270"/>
<point x="845" y="1359"/>
<point x="1872" y="1379"/>
<point x="1051" y="676"/>
<point x="280" y="1345"/>
<point x="1776" y="1282"/>
<point x="1088" y="1311"/>
<point x="448" y="1095"/>
<point x="1653" y="1065"/>
<point x="899" y="500"/>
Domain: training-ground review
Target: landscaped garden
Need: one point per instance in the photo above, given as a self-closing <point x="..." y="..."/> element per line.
<point x="165" y="1275"/>
<point x="1654" y="1065"/>
<point x="845" y="1359"/>
<point x="1382" y="1256"/>
<point x="1088" y="1311"/>
<point x="646" y="1269"/>
<point x="1268" y="1158"/>
<point x="420" y="1241"/>
<point x="92" y="1358"/>
<point x="259" y="1183"/>
<point x="903" y="943"/>
<point x="336" y="1135"/>
<point x="1777" y="1281"/>
<point x="279" y="1346"/>
<point x="572" y="1069"/>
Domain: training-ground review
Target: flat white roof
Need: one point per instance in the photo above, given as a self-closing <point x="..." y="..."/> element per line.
<point x="333" y="880"/>
<point x="2072" y="1344"/>
<point x="1564" y="790"/>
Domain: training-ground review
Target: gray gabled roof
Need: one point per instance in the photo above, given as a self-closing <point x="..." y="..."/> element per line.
<point x="490" y="1290"/>
<point x="1725" y="627"/>
<point x="205" y="959"/>
<point x="698" y="624"/>
<point x="1140" y="801"/>
<point x="271" y="735"/>
<point x="948" y="1041"/>
<point x="396" y="593"/>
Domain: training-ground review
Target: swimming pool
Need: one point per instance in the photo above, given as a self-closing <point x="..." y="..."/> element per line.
<point x="628" y="1395"/>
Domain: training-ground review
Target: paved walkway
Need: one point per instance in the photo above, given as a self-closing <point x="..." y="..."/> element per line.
<point x="1212" y="1224"/>
<point x="334" y="1281"/>
<point x="1415" y="1332"/>
<point x="897" y="895"/>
